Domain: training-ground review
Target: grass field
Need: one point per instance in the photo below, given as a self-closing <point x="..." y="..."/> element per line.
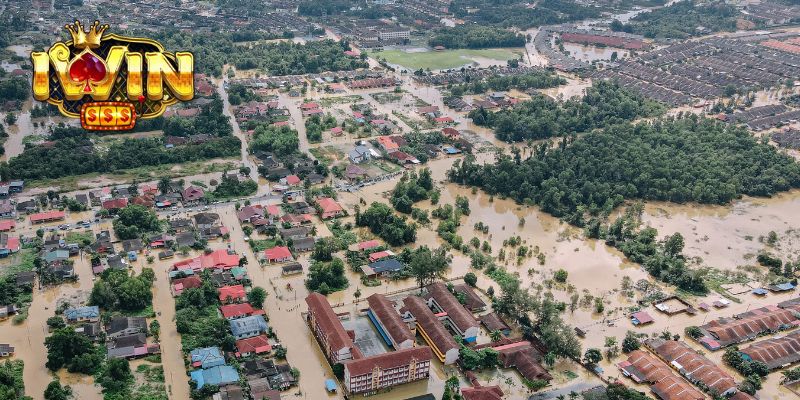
<point x="443" y="59"/>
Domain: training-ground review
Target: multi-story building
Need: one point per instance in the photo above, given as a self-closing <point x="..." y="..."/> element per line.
<point x="371" y="374"/>
<point x="431" y="329"/>
<point x="335" y="342"/>
<point x="384" y="316"/>
<point x="458" y="317"/>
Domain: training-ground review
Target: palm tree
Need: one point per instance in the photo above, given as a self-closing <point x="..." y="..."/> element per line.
<point x="495" y="335"/>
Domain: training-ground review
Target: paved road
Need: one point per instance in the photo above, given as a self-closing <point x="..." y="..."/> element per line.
<point x="227" y="111"/>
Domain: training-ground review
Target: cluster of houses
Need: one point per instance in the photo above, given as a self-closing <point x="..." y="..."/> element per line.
<point x="255" y="342"/>
<point x="436" y="316"/>
<point x="262" y="111"/>
<point x="124" y="337"/>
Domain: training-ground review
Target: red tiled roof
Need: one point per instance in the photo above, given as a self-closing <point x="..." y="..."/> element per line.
<point x="522" y="356"/>
<point x="388" y="360"/>
<point x="694" y="364"/>
<point x="328" y="205"/>
<point x="7" y="224"/>
<point x="193" y="193"/>
<point x="369" y="244"/>
<point x="332" y="328"/>
<point x="292" y="180"/>
<point x="236" y="310"/>
<point x="278" y="253"/>
<point x="438" y="334"/>
<point x="216" y="259"/>
<point x="234" y="292"/>
<point x="776" y="352"/>
<point x="378" y="255"/>
<point x="257" y="344"/>
<point x="751" y="324"/>
<point x="449" y="303"/>
<point x="482" y="393"/>
<point x="612" y="41"/>
<point x="309" y="106"/>
<point x="114" y="204"/>
<point x="47" y="216"/>
<point x="386" y="313"/>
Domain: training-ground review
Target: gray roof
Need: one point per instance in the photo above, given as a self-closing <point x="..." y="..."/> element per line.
<point x="255" y="323"/>
<point x="121" y="323"/>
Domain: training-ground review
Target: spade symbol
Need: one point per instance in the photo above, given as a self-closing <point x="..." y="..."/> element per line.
<point x="88" y="67"/>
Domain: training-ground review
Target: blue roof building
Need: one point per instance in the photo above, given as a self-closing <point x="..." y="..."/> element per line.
<point x="219" y="375"/>
<point x="88" y="313"/>
<point x="247" y="327"/>
<point x="382" y="267"/>
<point x="207" y="357"/>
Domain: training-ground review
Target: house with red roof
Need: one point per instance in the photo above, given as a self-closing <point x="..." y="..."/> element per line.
<point x="181" y="284"/>
<point x="47" y="216"/>
<point x="278" y="254"/>
<point x="451" y="133"/>
<point x="337" y="131"/>
<point x="388" y="144"/>
<point x="218" y="259"/>
<point x="232" y="294"/>
<point x="443" y="120"/>
<point x="380" y="255"/>
<point x="254" y="345"/>
<point x="7" y="225"/>
<point x="192" y="195"/>
<point x="369" y="244"/>
<point x="115" y="204"/>
<point x="309" y="106"/>
<point x="292" y="180"/>
<point x="238" y="310"/>
<point x="329" y="208"/>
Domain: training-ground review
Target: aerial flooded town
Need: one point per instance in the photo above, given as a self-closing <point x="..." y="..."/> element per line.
<point x="399" y="199"/>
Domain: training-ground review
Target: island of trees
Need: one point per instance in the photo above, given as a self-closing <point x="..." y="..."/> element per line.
<point x="604" y="104"/>
<point x="475" y="37"/>
<point x="682" y="19"/>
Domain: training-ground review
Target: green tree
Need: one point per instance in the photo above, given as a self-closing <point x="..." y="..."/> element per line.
<point x="257" y="296"/>
<point x="470" y="279"/>
<point x="631" y="342"/>
<point x="135" y="220"/>
<point x="65" y="347"/>
<point x="427" y="266"/>
<point x="55" y="391"/>
<point x="592" y="356"/>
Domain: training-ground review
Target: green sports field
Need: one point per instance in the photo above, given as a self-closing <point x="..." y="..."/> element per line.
<point x="443" y="59"/>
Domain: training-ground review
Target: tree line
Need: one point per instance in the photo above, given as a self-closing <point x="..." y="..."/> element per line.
<point x="685" y="159"/>
<point x="604" y="104"/>
<point x="516" y="13"/>
<point x="681" y="20"/>
<point x="475" y="37"/>
<point x="531" y="80"/>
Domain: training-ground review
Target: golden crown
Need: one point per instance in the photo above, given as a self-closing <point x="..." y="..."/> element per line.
<point x="90" y="39"/>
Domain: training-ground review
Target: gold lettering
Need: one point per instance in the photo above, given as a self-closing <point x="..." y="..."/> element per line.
<point x="135" y="87"/>
<point x="41" y="75"/>
<point x="60" y="58"/>
<point x="160" y="71"/>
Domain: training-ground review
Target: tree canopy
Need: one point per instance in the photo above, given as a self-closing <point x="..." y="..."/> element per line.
<point x="541" y="117"/>
<point x="475" y="37"/>
<point x="135" y="220"/>
<point x="381" y="221"/>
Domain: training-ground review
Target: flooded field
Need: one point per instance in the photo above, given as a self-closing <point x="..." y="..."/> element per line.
<point x="594" y="53"/>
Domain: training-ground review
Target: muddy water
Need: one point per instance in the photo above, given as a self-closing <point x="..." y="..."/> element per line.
<point x="727" y="236"/>
<point x="593" y="53"/>
<point x="28" y="337"/>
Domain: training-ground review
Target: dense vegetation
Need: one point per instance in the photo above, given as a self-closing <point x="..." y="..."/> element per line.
<point x="210" y="121"/>
<point x="604" y="104"/>
<point x="212" y="50"/>
<point x="681" y="160"/>
<point x="118" y="291"/>
<point x="682" y="19"/>
<point x="282" y="140"/>
<point x="77" y="156"/>
<point x="532" y="80"/>
<point x="752" y="370"/>
<point x="11" y="384"/>
<point x="516" y="13"/>
<point x="326" y="277"/>
<point x="198" y="320"/>
<point x="73" y="350"/>
<point x="134" y="220"/>
<point x="475" y="37"/>
<point x="410" y="189"/>
<point x="230" y="187"/>
<point x="14" y="89"/>
<point x="315" y="125"/>
<point x="381" y="221"/>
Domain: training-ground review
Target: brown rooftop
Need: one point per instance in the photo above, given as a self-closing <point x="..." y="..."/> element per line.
<point x="474" y="302"/>
<point x="328" y="321"/>
<point x="430" y="324"/>
<point x="665" y="384"/>
<point x="462" y="318"/>
<point x="694" y="365"/>
<point x="386" y="313"/>
<point x="388" y="360"/>
<point x="776" y="352"/>
<point x="751" y="324"/>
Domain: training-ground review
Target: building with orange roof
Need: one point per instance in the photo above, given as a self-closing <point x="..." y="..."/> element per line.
<point x="329" y="208"/>
<point x="218" y="259"/>
<point x="232" y="294"/>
